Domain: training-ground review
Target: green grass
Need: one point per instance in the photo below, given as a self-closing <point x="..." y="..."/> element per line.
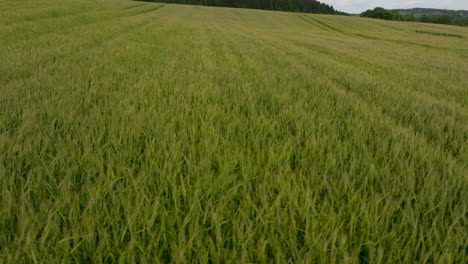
<point x="134" y="132"/>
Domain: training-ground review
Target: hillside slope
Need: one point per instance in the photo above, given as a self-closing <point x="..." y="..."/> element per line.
<point x="138" y="132"/>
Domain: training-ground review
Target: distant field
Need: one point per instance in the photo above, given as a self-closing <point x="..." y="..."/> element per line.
<point x="134" y="132"/>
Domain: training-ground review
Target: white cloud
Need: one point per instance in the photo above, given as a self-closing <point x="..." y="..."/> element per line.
<point x="415" y="2"/>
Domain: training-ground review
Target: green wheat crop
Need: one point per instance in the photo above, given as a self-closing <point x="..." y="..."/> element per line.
<point x="134" y="132"/>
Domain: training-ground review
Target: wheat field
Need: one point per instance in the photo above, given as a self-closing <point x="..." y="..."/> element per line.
<point x="134" y="132"/>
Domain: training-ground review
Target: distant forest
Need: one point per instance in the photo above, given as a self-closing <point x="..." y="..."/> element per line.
<point x="447" y="17"/>
<point x="435" y="12"/>
<point x="304" y="6"/>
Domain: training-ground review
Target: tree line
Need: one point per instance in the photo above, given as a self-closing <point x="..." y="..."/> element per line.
<point x="382" y="13"/>
<point x="304" y="6"/>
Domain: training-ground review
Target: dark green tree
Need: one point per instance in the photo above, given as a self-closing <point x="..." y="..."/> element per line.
<point x="409" y="17"/>
<point x="426" y="19"/>
<point x="305" y="6"/>
<point x="382" y="13"/>
<point x="444" y="19"/>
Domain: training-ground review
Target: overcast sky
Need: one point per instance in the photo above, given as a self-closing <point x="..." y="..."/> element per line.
<point x="357" y="6"/>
